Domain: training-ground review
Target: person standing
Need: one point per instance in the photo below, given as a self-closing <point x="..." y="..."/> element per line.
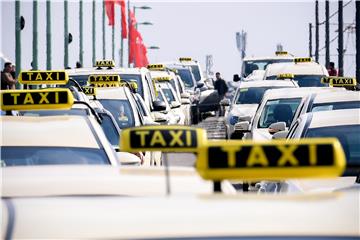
<point x="7" y="79"/>
<point x="331" y="70"/>
<point x="222" y="88"/>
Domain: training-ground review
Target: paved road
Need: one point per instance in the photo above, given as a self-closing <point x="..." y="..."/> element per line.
<point x="215" y="129"/>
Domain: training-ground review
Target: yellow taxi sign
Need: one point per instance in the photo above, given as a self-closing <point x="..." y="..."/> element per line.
<point x="281" y="53"/>
<point x="156" y="66"/>
<point x="132" y="85"/>
<point x="104" y="80"/>
<point x="163" y="78"/>
<point x="339" y="81"/>
<point x="43" y="77"/>
<point x="301" y="60"/>
<point x="105" y="63"/>
<point x="285" y="76"/>
<point x="162" y="138"/>
<point x="54" y="98"/>
<point x="89" y="91"/>
<point x="185" y="59"/>
<point x="272" y="160"/>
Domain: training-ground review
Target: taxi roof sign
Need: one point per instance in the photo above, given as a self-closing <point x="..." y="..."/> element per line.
<point x="272" y="160"/>
<point x="185" y="59"/>
<point x="339" y="81"/>
<point x="162" y="138"/>
<point x="156" y="66"/>
<point x="281" y="53"/>
<point x="105" y="63"/>
<point x="104" y="79"/>
<point x="89" y="91"/>
<point x="43" y="77"/>
<point x="53" y="98"/>
<point x="132" y="85"/>
<point x="302" y="60"/>
<point x="163" y="78"/>
<point x="285" y="76"/>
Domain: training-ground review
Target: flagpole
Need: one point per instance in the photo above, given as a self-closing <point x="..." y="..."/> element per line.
<point x="103" y="31"/>
<point x="81" y="46"/>
<point x="35" y="37"/>
<point x="17" y="37"/>
<point x="129" y="34"/>
<point x="113" y="42"/>
<point x="66" y="35"/>
<point x="93" y="33"/>
<point x="48" y="35"/>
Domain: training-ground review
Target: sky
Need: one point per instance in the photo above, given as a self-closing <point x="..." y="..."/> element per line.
<point x="182" y="29"/>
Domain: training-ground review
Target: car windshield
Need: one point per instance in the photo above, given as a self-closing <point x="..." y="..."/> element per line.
<point x="309" y="81"/>
<point x="335" y="106"/>
<point x="196" y="72"/>
<point x="110" y="130"/>
<point x="81" y="79"/>
<point x="348" y="135"/>
<point x="186" y="77"/>
<point x="169" y="95"/>
<point x="250" y="66"/>
<point x="251" y="95"/>
<point x="134" y="78"/>
<point x="279" y="110"/>
<point x="20" y="156"/>
<point x="121" y="110"/>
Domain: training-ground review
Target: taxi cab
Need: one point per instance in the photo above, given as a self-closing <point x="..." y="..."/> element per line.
<point x="277" y="105"/>
<point x="247" y="98"/>
<point x="305" y="72"/>
<point x="247" y="216"/>
<point x="251" y="64"/>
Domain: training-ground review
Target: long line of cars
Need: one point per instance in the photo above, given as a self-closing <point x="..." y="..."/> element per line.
<point x="66" y="148"/>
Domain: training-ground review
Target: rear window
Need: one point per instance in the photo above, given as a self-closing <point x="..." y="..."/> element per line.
<point x="121" y="110"/>
<point x="27" y="156"/>
<point x="251" y="95"/>
<point x="335" y="106"/>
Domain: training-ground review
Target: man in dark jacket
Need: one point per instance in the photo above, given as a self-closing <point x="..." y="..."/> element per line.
<point x="222" y="88"/>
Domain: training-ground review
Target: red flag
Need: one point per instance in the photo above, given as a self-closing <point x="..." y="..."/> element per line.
<point x="132" y="37"/>
<point x="110" y="11"/>
<point x="123" y="18"/>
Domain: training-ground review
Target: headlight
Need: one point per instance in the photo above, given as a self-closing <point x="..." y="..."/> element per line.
<point x="233" y="120"/>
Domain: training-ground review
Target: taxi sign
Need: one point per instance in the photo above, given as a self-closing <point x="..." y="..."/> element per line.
<point x="301" y="60"/>
<point x="54" y="98"/>
<point x="162" y="138"/>
<point x="185" y="59"/>
<point x="89" y="91"/>
<point x="281" y="53"/>
<point x="285" y="76"/>
<point x="43" y="77"/>
<point x="339" y="81"/>
<point x="132" y="85"/>
<point x="156" y="66"/>
<point x="163" y="78"/>
<point x="104" y="80"/>
<point x="272" y="160"/>
<point x="105" y="63"/>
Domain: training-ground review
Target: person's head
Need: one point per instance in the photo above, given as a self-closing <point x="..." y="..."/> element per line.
<point x="78" y="65"/>
<point x="7" y="67"/>
<point x="13" y="68"/>
<point x="332" y="65"/>
<point x="217" y="75"/>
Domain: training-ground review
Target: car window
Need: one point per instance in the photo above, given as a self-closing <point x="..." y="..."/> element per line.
<point x="196" y="72"/>
<point x="110" y="130"/>
<point x="252" y="95"/>
<point x="186" y="76"/>
<point x="278" y="110"/>
<point x="335" y="106"/>
<point x="20" y="156"/>
<point x="348" y="136"/>
<point x="134" y="78"/>
<point x="78" y="112"/>
<point x="169" y="95"/>
<point x="309" y="81"/>
<point x="121" y="110"/>
<point x="250" y="66"/>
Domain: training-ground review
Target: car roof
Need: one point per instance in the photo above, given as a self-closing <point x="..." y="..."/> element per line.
<point x="157" y="73"/>
<point x="201" y="217"/>
<point x="267" y="83"/>
<point x="305" y="68"/>
<point x="23" y="181"/>
<point x="84" y="71"/>
<point x="335" y="118"/>
<point x="61" y="131"/>
<point x="112" y="93"/>
<point x="291" y="92"/>
<point x="275" y="57"/>
<point x="343" y="96"/>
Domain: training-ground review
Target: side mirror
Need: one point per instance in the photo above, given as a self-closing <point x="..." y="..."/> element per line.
<point x="236" y="78"/>
<point x="175" y="104"/>
<point x="159" y="117"/>
<point x="225" y="102"/>
<point x="159" y="106"/>
<point x="280" y="135"/>
<point x="200" y="84"/>
<point x="185" y="101"/>
<point x="125" y="158"/>
<point x="185" y="95"/>
<point x="277" y="127"/>
<point x="242" y="126"/>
